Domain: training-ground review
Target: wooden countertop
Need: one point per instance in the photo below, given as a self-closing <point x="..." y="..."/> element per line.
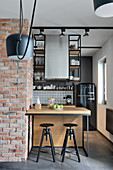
<point x="72" y="110"/>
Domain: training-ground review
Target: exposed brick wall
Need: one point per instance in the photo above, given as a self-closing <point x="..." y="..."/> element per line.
<point x="16" y="93"/>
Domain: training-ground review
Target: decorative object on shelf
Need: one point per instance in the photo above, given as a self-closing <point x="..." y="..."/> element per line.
<point x="103" y="8"/>
<point x="73" y="62"/>
<point x="71" y="77"/>
<point x="20" y="46"/>
<point x="72" y="46"/>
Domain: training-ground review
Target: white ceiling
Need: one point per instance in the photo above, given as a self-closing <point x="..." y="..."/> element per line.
<point x="62" y="13"/>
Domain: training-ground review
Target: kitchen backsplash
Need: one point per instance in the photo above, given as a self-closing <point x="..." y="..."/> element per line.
<point x="57" y="95"/>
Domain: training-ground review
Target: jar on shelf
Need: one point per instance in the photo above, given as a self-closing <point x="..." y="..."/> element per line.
<point x="51" y="101"/>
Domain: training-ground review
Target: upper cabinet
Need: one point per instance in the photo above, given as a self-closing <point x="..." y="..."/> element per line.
<point x="39" y="58"/>
<point x="57" y="59"/>
<point x="74" y="58"/>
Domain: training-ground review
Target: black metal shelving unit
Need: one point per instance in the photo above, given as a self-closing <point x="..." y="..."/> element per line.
<point x="74" y="58"/>
<point x="39" y="58"/>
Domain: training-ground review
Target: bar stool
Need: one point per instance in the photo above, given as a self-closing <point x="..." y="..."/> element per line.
<point x="46" y="132"/>
<point x="70" y="132"/>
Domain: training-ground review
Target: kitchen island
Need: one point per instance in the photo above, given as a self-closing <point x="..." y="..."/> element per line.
<point x="69" y="114"/>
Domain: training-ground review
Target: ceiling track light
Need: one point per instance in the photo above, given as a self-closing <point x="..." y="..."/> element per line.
<point x="103" y="8"/>
<point x="20" y="46"/>
<point x="62" y="32"/>
<point x="86" y="32"/>
<point x="41" y="32"/>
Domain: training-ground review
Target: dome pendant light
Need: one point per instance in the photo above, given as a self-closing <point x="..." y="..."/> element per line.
<point x="20" y="46"/>
<point x="103" y="8"/>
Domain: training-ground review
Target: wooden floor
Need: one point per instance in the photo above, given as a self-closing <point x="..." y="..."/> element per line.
<point x="100" y="158"/>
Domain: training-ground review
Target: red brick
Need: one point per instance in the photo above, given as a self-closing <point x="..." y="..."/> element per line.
<point x="10" y="64"/>
<point x="2" y="101"/>
<point x="20" y="138"/>
<point x="2" y="52"/>
<point x="3" y="133"/>
<point x="4" y="125"/>
<point x="3" y="117"/>
<point x="5" y="20"/>
<point x="12" y="88"/>
<point x="9" y="96"/>
<point x="15" y="117"/>
<point x="10" y="80"/>
<point x="21" y="96"/>
<point x="17" y="92"/>
<point x="1" y="88"/>
<point x="5" y="76"/>
<point x="8" y="155"/>
<point x="23" y="142"/>
<point x="9" y="104"/>
<point x="9" y="146"/>
<point x="1" y="72"/>
<point x="4" y="92"/>
<point x="16" y="134"/>
<point x="9" y="121"/>
<point x="15" y="125"/>
<point x="15" y="109"/>
<point x="15" y="159"/>
<point x="10" y="72"/>
<point x="9" y="129"/>
<point x="4" y="60"/>
<point x="3" y="159"/>
<point x="3" y="36"/>
<point x="19" y="154"/>
<point x="8" y="138"/>
<point x="15" y="20"/>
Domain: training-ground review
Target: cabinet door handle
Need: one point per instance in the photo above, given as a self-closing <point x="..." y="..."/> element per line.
<point x="91" y="98"/>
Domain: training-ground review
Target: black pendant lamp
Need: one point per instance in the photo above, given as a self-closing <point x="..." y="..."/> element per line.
<point x="20" y="46"/>
<point x="103" y="8"/>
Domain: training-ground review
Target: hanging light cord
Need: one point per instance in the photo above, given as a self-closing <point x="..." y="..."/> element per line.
<point x="21" y="27"/>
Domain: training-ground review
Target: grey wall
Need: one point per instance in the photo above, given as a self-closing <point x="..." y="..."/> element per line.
<point x="86" y="69"/>
<point x="107" y="50"/>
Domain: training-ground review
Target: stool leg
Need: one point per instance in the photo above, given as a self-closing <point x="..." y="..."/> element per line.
<point x="65" y="144"/>
<point x="40" y="146"/>
<point x="75" y="143"/>
<point x="52" y="146"/>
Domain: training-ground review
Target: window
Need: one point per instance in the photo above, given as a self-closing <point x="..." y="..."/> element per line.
<point x="102" y="81"/>
<point x="105" y="80"/>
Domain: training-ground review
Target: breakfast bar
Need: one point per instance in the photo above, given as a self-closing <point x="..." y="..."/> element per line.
<point x="69" y="114"/>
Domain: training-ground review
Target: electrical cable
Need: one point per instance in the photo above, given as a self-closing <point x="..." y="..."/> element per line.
<point x="21" y="27"/>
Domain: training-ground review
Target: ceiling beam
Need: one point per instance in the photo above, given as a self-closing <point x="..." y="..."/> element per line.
<point x="73" y="27"/>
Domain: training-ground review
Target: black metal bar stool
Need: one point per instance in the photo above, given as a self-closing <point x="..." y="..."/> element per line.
<point x="46" y="132"/>
<point x="70" y="132"/>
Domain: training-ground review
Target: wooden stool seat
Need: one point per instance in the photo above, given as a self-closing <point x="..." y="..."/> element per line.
<point x="70" y="125"/>
<point x="46" y="125"/>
